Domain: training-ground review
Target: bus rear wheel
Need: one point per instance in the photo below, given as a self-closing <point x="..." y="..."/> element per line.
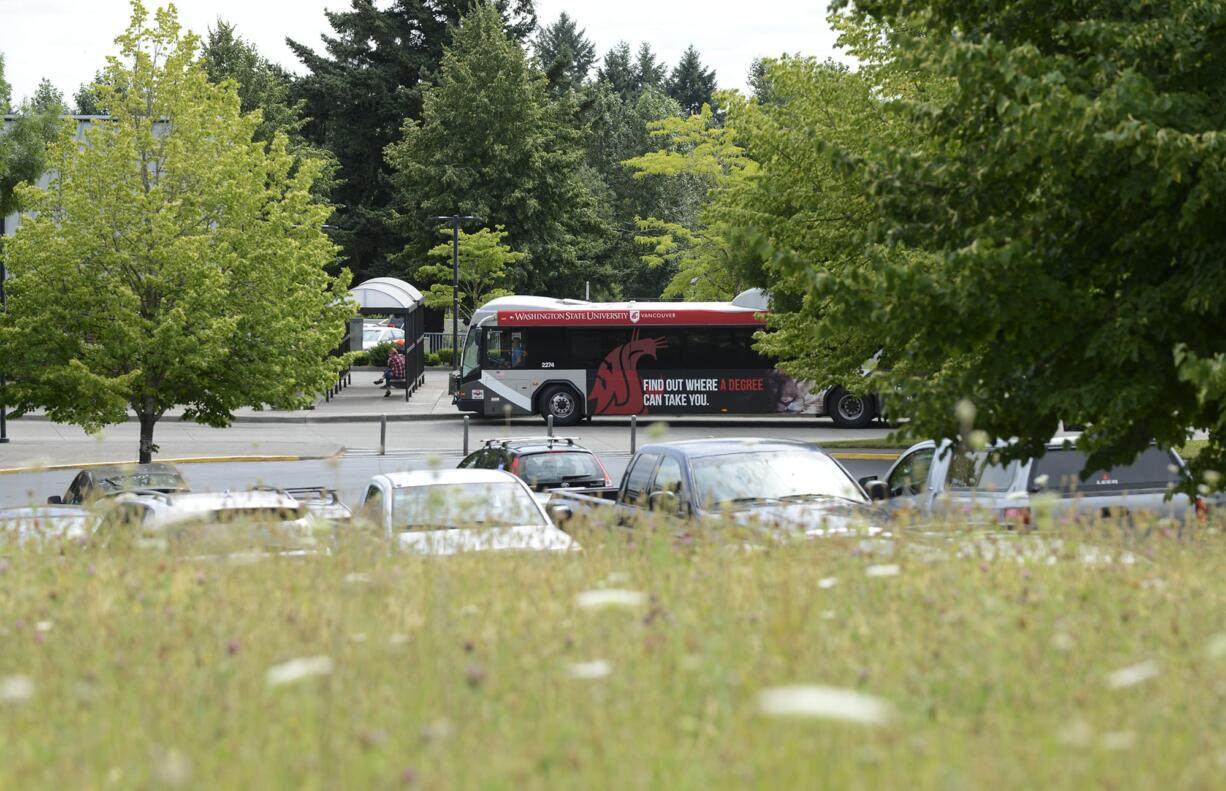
<point x="849" y="411"/>
<point x="562" y="403"/>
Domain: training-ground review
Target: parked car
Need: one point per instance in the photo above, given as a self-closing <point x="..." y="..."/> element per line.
<point x="258" y="519"/>
<point x="373" y="335"/>
<point x="541" y="462"/>
<point x="933" y="479"/>
<point x="91" y="484"/>
<point x="445" y="512"/>
<point x="767" y="482"/>
<point x="45" y="523"/>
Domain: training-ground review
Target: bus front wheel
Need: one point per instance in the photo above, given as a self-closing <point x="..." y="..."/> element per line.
<point x="562" y="403"/>
<point x="849" y="411"/>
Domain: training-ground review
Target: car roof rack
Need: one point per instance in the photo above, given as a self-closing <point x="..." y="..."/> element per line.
<point x="548" y="441"/>
<point x="303" y="493"/>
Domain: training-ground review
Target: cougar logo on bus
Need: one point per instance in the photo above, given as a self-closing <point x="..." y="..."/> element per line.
<point x="635" y="315"/>
<point x="618" y="389"/>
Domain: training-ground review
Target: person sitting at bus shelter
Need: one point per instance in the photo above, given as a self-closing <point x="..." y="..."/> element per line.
<point x="517" y="353"/>
<point x="395" y="370"/>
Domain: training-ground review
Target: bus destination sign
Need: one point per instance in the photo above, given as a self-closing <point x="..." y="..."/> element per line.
<point x="652" y="317"/>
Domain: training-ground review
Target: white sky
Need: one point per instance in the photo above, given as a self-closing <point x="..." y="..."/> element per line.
<point x="66" y="41"/>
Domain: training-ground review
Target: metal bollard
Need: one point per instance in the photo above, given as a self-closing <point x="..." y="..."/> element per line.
<point x="382" y="434"/>
<point x="549" y="425"/>
<point x="634" y="427"/>
<point x="466" y="436"/>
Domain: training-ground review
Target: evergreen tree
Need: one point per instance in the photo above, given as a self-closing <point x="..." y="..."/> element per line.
<point x="85" y="100"/>
<point x="692" y="85"/>
<point x="650" y="73"/>
<point x="262" y="85"/>
<point x="565" y="54"/>
<point x="491" y="143"/>
<point x="358" y="94"/>
<point x="618" y="71"/>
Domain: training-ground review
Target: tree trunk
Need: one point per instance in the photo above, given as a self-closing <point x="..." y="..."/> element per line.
<point x="147" y="421"/>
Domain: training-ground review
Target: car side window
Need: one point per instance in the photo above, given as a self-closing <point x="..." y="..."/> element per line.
<point x="667" y="482"/>
<point x="637" y="477"/>
<point x="374" y="502"/>
<point x="910" y="476"/>
<point x="74" y="489"/>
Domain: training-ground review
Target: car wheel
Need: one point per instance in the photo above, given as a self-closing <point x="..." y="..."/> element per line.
<point x="562" y="403"/>
<point x="849" y="411"/>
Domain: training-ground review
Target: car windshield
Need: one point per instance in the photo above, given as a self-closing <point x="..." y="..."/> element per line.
<point x="456" y="505"/>
<point x="756" y="476"/>
<point x="141" y="480"/>
<point x="559" y="465"/>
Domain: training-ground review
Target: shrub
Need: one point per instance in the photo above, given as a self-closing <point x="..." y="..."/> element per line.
<point x="360" y="358"/>
<point x="444" y="356"/>
<point x="432" y="358"/>
<point x="378" y="354"/>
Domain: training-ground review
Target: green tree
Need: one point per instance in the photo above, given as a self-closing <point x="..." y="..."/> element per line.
<point x="565" y="54"/>
<point x="262" y="85"/>
<point x="484" y="270"/>
<point x="357" y="95"/>
<point x="618" y="71"/>
<point x="23" y="140"/>
<point x="173" y="260"/>
<point x="705" y="255"/>
<point x="1063" y="201"/>
<point x="491" y="143"/>
<point x="692" y="85"/>
<point x="649" y="73"/>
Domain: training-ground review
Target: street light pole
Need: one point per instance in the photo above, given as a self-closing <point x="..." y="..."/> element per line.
<point x="455" y="220"/>
<point x="4" y="307"/>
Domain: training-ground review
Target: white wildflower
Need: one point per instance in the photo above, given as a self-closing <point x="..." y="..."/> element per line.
<point x="610" y="597"/>
<point x="357" y="578"/>
<point x="298" y="669"/>
<point x="1062" y="641"/>
<point x="883" y="570"/>
<point x="1119" y="740"/>
<point x="1217" y="646"/>
<point x="398" y="639"/>
<point x="1077" y="733"/>
<point x="16" y="689"/>
<point x="597" y="668"/>
<point x="43" y="626"/>
<point x="1134" y="674"/>
<point x="173" y="769"/>
<point x="825" y="583"/>
<point x="831" y="703"/>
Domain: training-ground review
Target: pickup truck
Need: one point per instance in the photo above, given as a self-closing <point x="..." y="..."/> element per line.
<point x="935" y="479"/>
<point x="768" y="482"/>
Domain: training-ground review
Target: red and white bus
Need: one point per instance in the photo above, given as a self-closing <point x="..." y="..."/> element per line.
<point x="572" y="360"/>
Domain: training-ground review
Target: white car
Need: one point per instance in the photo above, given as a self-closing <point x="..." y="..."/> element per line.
<point x="45" y="524"/>
<point x="265" y="519"/>
<point x="445" y="512"/>
<point x="373" y="335"/>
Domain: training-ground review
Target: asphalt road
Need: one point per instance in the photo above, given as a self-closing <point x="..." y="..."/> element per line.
<point x="419" y="445"/>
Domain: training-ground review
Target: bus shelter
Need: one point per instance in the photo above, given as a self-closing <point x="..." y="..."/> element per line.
<point x="389" y="296"/>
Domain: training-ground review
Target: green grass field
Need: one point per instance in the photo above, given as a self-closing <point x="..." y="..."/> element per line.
<point x="1097" y="662"/>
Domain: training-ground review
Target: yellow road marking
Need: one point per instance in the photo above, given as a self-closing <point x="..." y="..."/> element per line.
<point x="187" y="460"/>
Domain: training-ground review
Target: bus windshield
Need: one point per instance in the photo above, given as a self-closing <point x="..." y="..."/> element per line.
<point x="468" y="363"/>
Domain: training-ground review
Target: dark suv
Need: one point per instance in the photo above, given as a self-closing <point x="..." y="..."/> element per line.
<point x="542" y="462"/>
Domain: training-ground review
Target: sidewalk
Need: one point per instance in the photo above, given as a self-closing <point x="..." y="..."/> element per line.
<point x="360" y="402"/>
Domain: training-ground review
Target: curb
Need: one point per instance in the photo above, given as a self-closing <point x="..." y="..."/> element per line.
<point x="185" y="460"/>
<point x="296" y="419"/>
